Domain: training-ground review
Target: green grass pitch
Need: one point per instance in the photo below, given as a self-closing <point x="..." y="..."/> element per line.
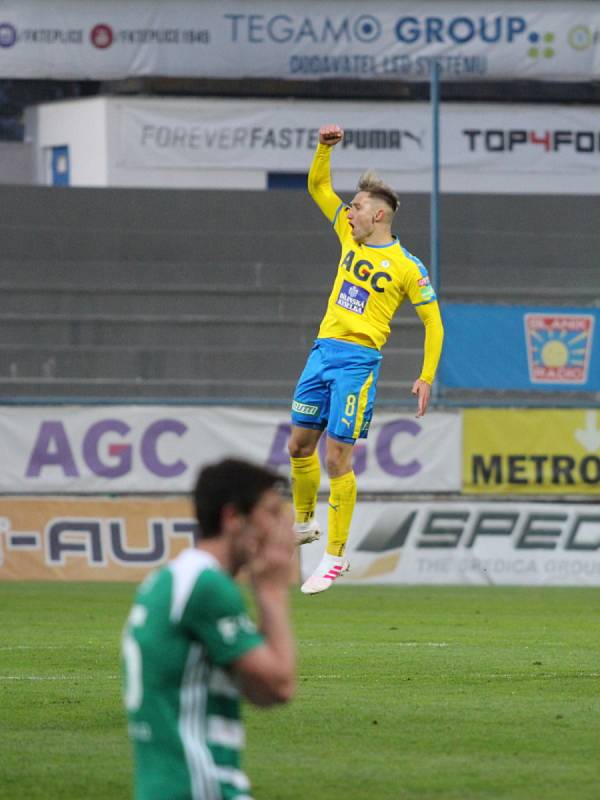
<point x="452" y="693"/>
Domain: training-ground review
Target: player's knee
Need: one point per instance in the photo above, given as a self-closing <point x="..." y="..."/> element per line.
<point x="300" y="449"/>
<point x="338" y="463"/>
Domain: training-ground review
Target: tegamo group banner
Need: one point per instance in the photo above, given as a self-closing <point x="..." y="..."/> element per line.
<point x="466" y="542"/>
<point x="469" y="40"/>
<point x="118" y="449"/>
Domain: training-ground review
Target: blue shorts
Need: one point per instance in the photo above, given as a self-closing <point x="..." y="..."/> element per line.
<point x="337" y="389"/>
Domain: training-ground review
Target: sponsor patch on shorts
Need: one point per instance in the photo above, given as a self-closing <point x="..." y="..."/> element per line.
<point x="352" y="298"/>
<point x="305" y="408"/>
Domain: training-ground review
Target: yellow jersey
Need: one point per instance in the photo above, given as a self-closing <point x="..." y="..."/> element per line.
<point x="372" y="280"/>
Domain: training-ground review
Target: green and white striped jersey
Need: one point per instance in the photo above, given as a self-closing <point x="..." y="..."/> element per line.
<point x="187" y="624"/>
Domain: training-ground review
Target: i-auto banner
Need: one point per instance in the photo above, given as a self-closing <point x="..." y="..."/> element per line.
<point x="92" y="538"/>
<point x="160" y="449"/>
<point x="462" y="542"/>
<point x="531" y="451"/>
<point x="469" y="40"/>
<point x="271" y="135"/>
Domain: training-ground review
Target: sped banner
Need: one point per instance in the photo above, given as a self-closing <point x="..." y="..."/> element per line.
<point x="168" y="133"/>
<point x="532" y="451"/>
<point x="461" y="542"/>
<point x="79" y="450"/>
<point x="518" y="347"/>
<point x="469" y="40"/>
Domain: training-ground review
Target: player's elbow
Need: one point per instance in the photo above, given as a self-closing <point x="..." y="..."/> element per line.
<point x="272" y="693"/>
<point x="283" y="692"/>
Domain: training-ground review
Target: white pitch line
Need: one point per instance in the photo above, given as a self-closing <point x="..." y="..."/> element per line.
<point x="51" y="647"/>
<point x="54" y="677"/>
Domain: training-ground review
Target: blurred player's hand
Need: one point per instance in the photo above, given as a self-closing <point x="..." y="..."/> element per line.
<point x="271" y="564"/>
<point x="330" y="135"/>
<point x="423" y="391"/>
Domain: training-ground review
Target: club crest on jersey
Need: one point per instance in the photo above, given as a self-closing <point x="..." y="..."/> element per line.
<point x="559" y="347"/>
<point x="352" y="298"/>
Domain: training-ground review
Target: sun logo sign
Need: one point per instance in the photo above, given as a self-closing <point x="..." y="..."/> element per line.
<point x="559" y="347"/>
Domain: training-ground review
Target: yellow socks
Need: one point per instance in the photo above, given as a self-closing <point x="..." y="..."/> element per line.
<point x="342" y="499"/>
<point x="306" y="479"/>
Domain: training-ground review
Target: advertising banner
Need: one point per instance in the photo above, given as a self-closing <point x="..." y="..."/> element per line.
<point x="97" y="539"/>
<point x="461" y="542"/>
<point x="531" y="451"/>
<point x="441" y="542"/>
<point x="518" y="347"/>
<point x="469" y="40"/>
<point x="521" y="140"/>
<point x="79" y="450"/>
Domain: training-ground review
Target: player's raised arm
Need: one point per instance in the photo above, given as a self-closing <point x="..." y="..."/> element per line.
<point x="319" y="176"/>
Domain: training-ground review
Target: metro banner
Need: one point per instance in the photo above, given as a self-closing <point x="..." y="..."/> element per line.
<point x="468" y="542"/>
<point x="524" y="347"/>
<point x="118" y="449"/>
<point x="394" y="40"/>
<point x="532" y="451"/>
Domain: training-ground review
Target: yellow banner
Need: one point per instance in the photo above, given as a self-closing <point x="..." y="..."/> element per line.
<point x="531" y="451"/>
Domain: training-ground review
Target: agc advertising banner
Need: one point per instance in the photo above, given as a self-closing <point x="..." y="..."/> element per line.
<point x="86" y="450"/>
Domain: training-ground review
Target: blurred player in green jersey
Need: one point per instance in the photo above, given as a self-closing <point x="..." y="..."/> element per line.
<point x="336" y="391"/>
<point x="190" y="650"/>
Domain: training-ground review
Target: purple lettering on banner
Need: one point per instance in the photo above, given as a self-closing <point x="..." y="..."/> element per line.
<point x="122" y="452"/>
<point x="359" y="458"/>
<point x="51" y="434"/>
<point x="278" y="455"/>
<point x="149" y="443"/>
<point x="383" y="449"/>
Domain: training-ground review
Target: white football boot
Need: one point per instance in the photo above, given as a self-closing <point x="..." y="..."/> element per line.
<point x="307" y="532"/>
<point x="329" y="570"/>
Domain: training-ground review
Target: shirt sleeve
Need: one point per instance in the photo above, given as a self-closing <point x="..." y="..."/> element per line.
<point x="321" y="190"/>
<point x="216" y="616"/>
<point x="429" y="314"/>
<point x="418" y="285"/>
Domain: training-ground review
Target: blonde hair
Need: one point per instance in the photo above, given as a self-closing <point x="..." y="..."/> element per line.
<point x="371" y="182"/>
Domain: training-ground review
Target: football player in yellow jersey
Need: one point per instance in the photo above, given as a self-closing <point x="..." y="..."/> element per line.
<point x="336" y="390"/>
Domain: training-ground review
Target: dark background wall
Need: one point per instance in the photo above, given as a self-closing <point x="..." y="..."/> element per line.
<point x="204" y="295"/>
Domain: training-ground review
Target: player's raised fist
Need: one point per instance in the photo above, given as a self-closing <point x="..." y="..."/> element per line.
<point x="330" y="135"/>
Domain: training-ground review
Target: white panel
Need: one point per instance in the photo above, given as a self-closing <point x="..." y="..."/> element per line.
<point x="458" y="541"/>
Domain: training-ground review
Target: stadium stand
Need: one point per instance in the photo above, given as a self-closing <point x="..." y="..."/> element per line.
<point x="116" y="294"/>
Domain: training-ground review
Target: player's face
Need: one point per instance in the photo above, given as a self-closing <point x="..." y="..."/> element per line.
<point x="361" y="216"/>
<point x="265" y="520"/>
